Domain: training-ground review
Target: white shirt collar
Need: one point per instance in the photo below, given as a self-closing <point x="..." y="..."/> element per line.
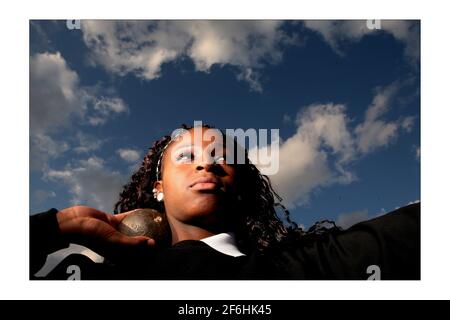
<point x="224" y="243"/>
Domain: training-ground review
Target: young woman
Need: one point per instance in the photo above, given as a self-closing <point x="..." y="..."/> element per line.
<point x="223" y="225"/>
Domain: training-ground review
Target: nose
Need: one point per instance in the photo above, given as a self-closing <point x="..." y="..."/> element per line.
<point x="205" y="165"/>
<point x="211" y="166"/>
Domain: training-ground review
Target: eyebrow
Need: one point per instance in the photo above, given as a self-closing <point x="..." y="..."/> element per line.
<point x="193" y="145"/>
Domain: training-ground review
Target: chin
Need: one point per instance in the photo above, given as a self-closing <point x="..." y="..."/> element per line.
<point x="205" y="206"/>
<point x="205" y="209"/>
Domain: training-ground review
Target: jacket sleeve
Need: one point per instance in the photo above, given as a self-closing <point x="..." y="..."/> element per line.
<point x="45" y="238"/>
<point x="385" y="248"/>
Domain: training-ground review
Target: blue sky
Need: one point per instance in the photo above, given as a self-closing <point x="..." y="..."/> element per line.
<point x="345" y="98"/>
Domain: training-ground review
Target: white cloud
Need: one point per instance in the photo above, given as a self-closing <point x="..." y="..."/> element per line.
<point x="304" y="158"/>
<point x="407" y="32"/>
<point x="90" y="183"/>
<point x="96" y="121"/>
<point x="319" y="154"/>
<point x="335" y="33"/>
<point x="346" y="220"/>
<point x="287" y="118"/>
<point x="328" y="123"/>
<point x="104" y="108"/>
<point x="54" y="101"/>
<point x="41" y="195"/>
<point x="129" y="155"/>
<point x="42" y="148"/>
<point x="54" y="93"/>
<point x="246" y="45"/>
<point x="57" y="104"/>
<point x="252" y="77"/>
<point x="86" y="143"/>
<point x="407" y="124"/>
<point x="375" y="132"/>
<point x="417" y="153"/>
<point x="57" y="101"/>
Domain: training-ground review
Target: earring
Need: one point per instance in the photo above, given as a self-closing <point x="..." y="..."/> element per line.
<point x="158" y="195"/>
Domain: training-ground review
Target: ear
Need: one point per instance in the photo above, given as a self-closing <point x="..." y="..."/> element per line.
<point x="158" y="185"/>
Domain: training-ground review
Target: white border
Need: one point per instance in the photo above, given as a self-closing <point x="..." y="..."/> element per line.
<point x="14" y="133"/>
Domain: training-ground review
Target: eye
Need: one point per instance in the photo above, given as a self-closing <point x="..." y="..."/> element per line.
<point x="185" y="157"/>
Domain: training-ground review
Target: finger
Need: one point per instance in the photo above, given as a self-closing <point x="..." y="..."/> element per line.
<point x="120" y="238"/>
<point x="117" y="218"/>
<point x="124" y="248"/>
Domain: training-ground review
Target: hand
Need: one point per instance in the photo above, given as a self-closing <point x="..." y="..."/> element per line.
<point x="98" y="231"/>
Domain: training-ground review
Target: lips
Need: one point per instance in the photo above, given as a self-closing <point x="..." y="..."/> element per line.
<point x="206" y="183"/>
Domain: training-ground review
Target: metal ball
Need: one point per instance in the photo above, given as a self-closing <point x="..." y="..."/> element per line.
<point x="146" y="222"/>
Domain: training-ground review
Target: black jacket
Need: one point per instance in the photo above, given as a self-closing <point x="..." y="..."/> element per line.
<point x="384" y="248"/>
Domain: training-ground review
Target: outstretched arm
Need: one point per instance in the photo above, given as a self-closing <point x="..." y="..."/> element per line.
<point x="386" y="248"/>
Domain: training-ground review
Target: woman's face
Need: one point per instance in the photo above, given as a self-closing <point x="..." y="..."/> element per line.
<point x="197" y="183"/>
